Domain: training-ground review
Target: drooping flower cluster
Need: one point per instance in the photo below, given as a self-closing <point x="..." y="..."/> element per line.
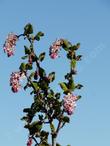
<point x="54" y="48"/>
<point x="10" y="44"/>
<point x="15" y="81"/>
<point x="29" y="142"/>
<point x="69" y="103"/>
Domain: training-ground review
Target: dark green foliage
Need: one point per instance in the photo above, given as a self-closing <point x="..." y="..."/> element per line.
<point x="64" y="87"/>
<point x="47" y="105"/>
<point x="34" y="127"/>
<point x="28" y="66"/>
<point x="51" y="77"/>
<point x="24" y="57"/>
<point x="27" y="50"/>
<point x="78" y="86"/>
<point x="78" y="58"/>
<point x="66" y="45"/>
<point x="71" y="85"/>
<point x="66" y="119"/>
<point x="73" y="63"/>
<point x="41" y="56"/>
<point x="57" y="95"/>
<point x="58" y="144"/>
<point x="28" y="29"/>
<point x="22" y="67"/>
<point x="35" y="85"/>
<point x="42" y="72"/>
<point x="39" y="35"/>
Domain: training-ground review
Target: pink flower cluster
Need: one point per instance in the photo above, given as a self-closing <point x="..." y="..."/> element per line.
<point x="54" y="48"/>
<point x="10" y="44"/>
<point x="15" y="81"/>
<point x="29" y="142"/>
<point x="69" y="103"/>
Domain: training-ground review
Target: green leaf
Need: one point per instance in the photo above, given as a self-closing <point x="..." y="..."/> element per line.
<point x="66" y="45"/>
<point x="73" y="63"/>
<point x="78" y="58"/>
<point x="41" y="56"/>
<point x="22" y="67"/>
<point x="57" y="95"/>
<point x="28" y="29"/>
<point x="78" y="86"/>
<point x="26" y="110"/>
<point x="71" y="85"/>
<point x="74" y="47"/>
<point x="50" y="95"/>
<point x="63" y="85"/>
<point x="78" y="45"/>
<point x="58" y="144"/>
<point x="37" y="38"/>
<point x="28" y="66"/>
<point x="27" y="50"/>
<point x="32" y="75"/>
<point x="39" y="35"/>
<point x="34" y="127"/>
<point x="78" y="97"/>
<point x="35" y="85"/>
<point x="66" y="119"/>
<point x="44" y="84"/>
<point x="24" y="118"/>
<point x="44" y="134"/>
<point x="24" y="57"/>
<point x="51" y="76"/>
<point x="68" y="76"/>
<point x="42" y="72"/>
<point x="37" y="125"/>
<point x="40" y="117"/>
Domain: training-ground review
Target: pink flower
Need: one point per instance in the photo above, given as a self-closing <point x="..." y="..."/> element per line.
<point x="10" y="44"/>
<point x="15" y="81"/>
<point x="54" y="55"/>
<point x="54" y="49"/>
<point x="69" y="103"/>
<point x="29" y="142"/>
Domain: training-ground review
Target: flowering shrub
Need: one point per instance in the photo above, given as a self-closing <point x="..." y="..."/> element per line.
<point x="48" y="106"/>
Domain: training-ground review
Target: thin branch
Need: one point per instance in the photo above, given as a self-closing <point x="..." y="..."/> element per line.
<point x="20" y="35"/>
<point x="35" y="140"/>
<point x="58" y="127"/>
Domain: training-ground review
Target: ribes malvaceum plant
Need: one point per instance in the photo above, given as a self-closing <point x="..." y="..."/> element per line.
<point x="48" y="107"/>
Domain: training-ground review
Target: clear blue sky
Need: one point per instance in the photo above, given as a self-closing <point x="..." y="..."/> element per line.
<point x="87" y="22"/>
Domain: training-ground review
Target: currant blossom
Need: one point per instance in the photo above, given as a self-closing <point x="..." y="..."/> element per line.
<point x="29" y="142"/>
<point x="15" y="79"/>
<point x="10" y="44"/>
<point x="69" y="103"/>
<point x="54" y="48"/>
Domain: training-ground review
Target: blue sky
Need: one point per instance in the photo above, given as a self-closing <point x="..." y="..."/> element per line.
<point x="87" y="22"/>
